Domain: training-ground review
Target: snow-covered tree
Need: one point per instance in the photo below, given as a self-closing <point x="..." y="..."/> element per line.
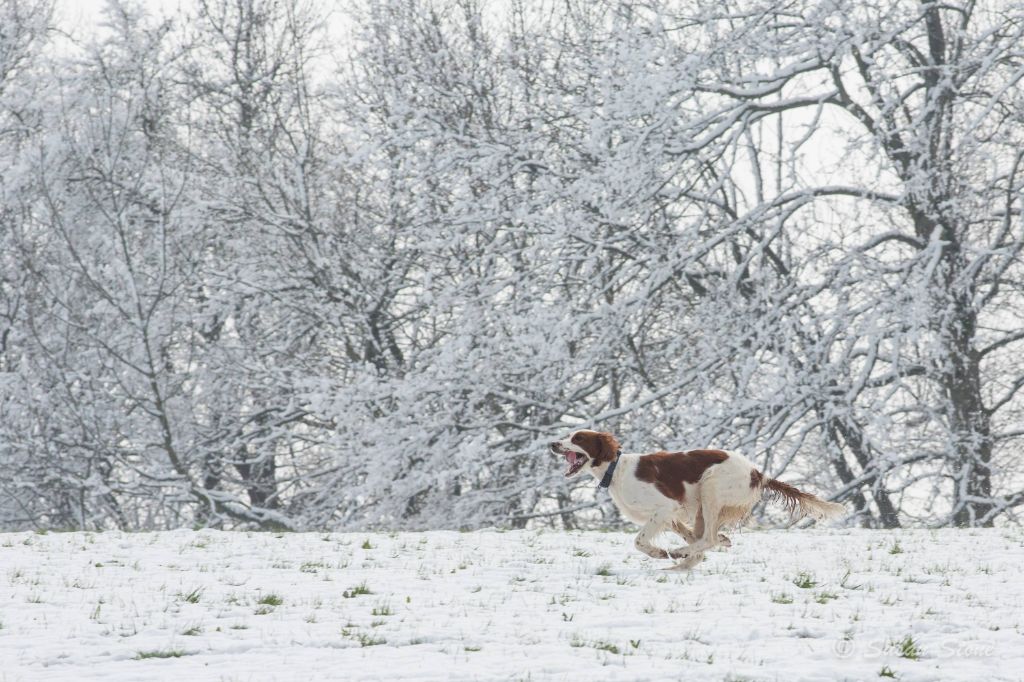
<point x="267" y="267"/>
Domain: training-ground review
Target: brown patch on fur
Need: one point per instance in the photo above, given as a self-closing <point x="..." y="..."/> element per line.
<point x="669" y="470"/>
<point x="601" y="446"/>
<point x="756" y="478"/>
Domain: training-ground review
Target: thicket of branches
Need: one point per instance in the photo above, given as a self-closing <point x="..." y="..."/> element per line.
<point x="265" y="265"/>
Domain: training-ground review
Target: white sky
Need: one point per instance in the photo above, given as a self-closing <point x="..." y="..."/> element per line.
<point x="77" y="15"/>
<point x="78" y="19"/>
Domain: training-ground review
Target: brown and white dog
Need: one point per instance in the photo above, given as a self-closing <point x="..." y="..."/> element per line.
<point x="710" y="489"/>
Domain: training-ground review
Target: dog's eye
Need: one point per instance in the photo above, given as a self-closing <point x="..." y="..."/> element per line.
<point x="576" y="438"/>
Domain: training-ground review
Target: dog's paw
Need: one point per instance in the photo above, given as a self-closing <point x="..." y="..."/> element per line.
<point x="677" y="553"/>
<point x="688" y="563"/>
<point x="655" y="552"/>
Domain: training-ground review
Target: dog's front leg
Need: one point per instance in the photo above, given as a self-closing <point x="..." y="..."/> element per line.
<point x="685" y="532"/>
<point x="682" y="530"/>
<point x="646" y="534"/>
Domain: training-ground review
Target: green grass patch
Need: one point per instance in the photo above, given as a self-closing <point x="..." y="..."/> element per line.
<point x="193" y="596"/>
<point x="359" y="589"/>
<point x="366" y="639"/>
<point x="270" y="600"/>
<point x="907" y="648"/>
<point x="804" y="580"/>
<point x="161" y="653"/>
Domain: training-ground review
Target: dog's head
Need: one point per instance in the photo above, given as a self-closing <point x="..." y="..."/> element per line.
<point x="580" y="447"/>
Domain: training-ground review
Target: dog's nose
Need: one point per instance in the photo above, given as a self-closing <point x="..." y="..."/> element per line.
<point x="554" y="445"/>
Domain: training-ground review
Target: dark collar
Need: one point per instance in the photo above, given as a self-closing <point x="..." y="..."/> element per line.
<point x="607" y="479"/>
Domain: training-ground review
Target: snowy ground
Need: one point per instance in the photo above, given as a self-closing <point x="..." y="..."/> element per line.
<point x="779" y="605"/>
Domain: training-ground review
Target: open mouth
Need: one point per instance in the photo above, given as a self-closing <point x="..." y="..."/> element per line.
<point x="575" y="460"/>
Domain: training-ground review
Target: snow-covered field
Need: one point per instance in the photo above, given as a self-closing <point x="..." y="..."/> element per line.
<point x="539" y="605"/>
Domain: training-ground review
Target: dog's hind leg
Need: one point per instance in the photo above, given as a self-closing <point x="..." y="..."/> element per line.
<point x="698" y="530"/>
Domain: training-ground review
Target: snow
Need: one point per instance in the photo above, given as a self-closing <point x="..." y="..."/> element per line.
<point x="539" y="605"/>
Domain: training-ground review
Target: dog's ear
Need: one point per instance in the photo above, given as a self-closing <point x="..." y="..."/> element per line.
<point x="609" y="446"/>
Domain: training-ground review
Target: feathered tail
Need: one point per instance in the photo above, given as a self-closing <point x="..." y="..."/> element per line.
<point x="797" y="502"/>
